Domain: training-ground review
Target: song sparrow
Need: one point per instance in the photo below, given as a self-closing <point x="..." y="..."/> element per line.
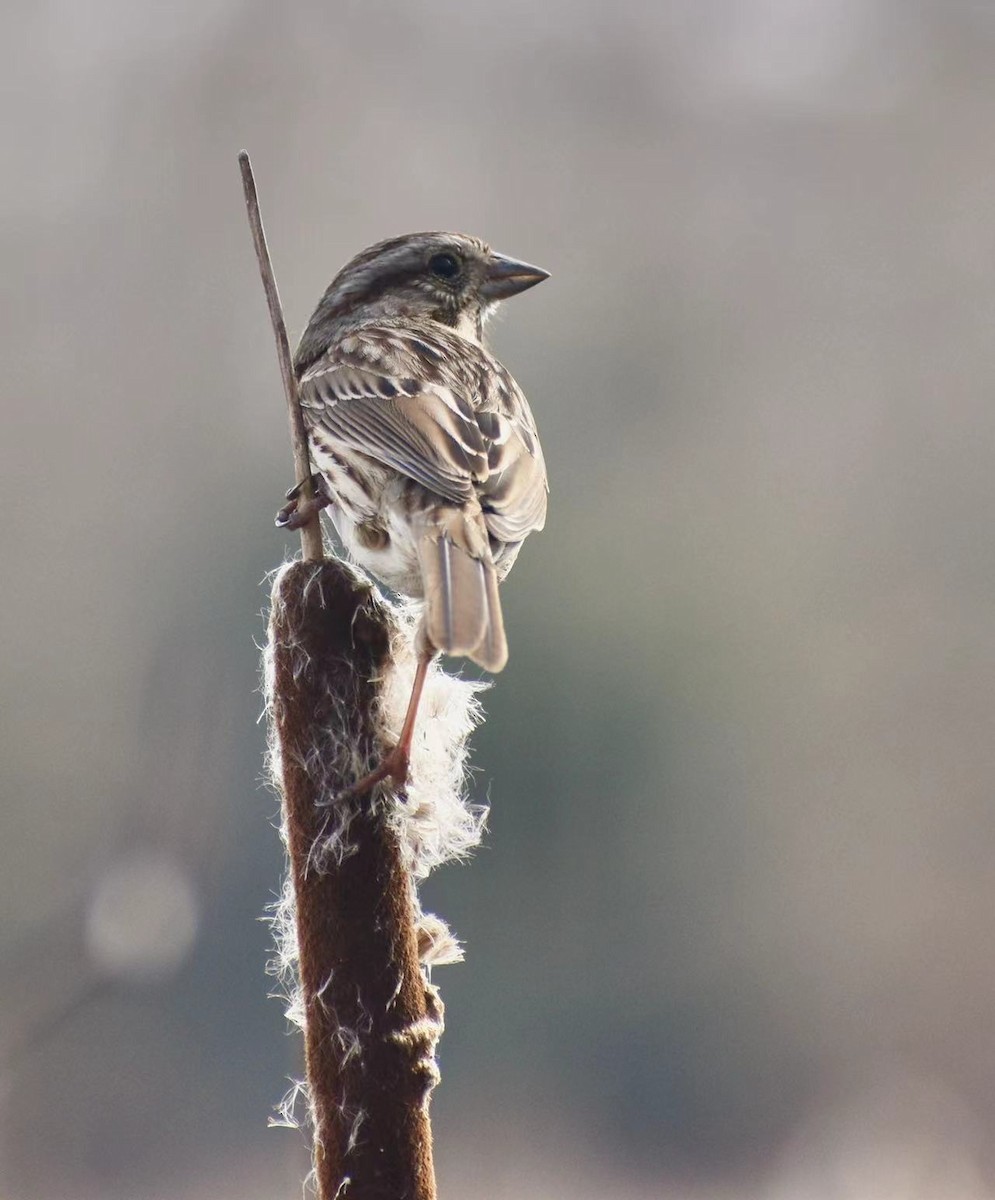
<point x="427" y="454"/>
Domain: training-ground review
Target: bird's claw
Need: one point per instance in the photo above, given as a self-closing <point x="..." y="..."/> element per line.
<point x="300" y="510"/>
<point x="394" y="766"/>
<point x="317" y="482"/>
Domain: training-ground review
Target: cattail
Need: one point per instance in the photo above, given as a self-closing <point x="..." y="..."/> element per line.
<point x="351" y="938"/>
<point x="354" y="949"/>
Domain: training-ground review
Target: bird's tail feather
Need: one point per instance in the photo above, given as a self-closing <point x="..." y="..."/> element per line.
<point x="462" y="606"/>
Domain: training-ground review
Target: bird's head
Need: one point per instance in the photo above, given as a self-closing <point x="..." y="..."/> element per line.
<point x="447" y="277"/>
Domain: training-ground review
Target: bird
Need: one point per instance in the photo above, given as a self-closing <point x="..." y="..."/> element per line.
<point x="426" y="453"/>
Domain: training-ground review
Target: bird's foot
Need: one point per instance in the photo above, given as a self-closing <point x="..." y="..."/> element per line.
<point x="394" y="767"/>
<point x="301" y="509"/>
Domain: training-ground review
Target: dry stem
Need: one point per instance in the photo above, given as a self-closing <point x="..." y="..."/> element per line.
<point x="311" y="547"/>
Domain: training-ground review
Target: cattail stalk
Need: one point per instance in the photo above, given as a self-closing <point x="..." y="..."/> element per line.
<point x="338" y="667"/>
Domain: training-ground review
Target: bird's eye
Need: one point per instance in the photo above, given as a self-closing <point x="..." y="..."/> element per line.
<point x="446" y="266"/>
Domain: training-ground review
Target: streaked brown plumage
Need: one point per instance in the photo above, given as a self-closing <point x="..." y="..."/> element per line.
<point x="427" y="449"/>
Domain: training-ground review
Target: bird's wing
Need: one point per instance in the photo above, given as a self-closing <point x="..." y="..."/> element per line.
<point x="422" y="427"/>
<point x="440" y="410"/>
<point x="513" y="495"/>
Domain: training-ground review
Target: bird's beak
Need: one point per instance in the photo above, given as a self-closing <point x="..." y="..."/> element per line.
<point x="507" y="277"/>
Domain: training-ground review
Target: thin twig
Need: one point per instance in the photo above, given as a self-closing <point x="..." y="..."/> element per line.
<point x="311" y="547"/>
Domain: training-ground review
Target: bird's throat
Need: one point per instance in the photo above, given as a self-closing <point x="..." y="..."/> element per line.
<point x="469" y="325"/>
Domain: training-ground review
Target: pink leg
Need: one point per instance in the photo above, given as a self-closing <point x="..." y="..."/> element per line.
<point x="395" y="765"/>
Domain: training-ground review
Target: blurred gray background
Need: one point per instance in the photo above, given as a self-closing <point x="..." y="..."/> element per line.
<point x="730" y="935"/>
